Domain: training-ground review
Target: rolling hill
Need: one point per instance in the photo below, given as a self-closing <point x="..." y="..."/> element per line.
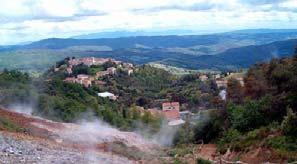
<point x="224" y="51"/>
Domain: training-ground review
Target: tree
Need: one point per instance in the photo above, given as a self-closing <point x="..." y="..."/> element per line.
<point x="255" y="83"/>
<point x="234" y="91"/>
<point x="247" y="117"/>
<point x="109" y="64"/>
<point x="135" y="113"/>
<point x="81" y="69"/>
<point x="147" y="117"/>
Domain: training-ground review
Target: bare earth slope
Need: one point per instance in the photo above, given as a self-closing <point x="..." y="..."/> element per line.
<point x="45" y="141"/>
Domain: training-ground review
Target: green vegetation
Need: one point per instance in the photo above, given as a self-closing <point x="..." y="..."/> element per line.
<point x="181" y="150"/>
<point x="16" y="87"/>
<point x="213" y="52"/>
<point x="289" y="124"/>
<point x="269" y="91"/>
<point x="262" y="113"/>
<point x="57" y="100"/>
<point x="148" y="85"/>
<point x="6" y="124"/>
<point x="202" y="161"/>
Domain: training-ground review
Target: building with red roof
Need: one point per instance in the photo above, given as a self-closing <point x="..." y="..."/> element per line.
<point x="170" y="106"/>
<point x="171" y="110"/>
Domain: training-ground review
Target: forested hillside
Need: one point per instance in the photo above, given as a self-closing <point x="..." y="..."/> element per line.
<point x="261" y="115"/>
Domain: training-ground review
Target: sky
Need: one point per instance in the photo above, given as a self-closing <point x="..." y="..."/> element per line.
<point x="30" y="20"/>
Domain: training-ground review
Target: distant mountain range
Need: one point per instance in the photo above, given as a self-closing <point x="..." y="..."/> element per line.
<point x="120" y="34"/>
<point x="230" y="50"/>
<point x="264" y="30"/>
<point x="240" y="38"/>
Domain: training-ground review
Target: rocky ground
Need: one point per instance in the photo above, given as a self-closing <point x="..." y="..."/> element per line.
<point x="16" y="149"/>
<point x="45" y="141"/>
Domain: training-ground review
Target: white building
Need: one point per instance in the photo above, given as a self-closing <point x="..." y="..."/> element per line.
<point x="109" y="95"/>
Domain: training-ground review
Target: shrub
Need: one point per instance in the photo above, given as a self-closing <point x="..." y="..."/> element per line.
<point x="6" y="124"/>
<point x="289" y="124"/>
<point x="285" y="146"/>
<point x="180" y="150"/>
<point x="230" y="136"/>
<point x="202" y="161"/>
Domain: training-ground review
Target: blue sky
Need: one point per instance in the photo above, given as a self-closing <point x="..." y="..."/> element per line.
<point x="28" y="20"/>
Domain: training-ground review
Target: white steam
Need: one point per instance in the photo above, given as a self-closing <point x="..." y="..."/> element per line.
<point x="165" y="135"/>
<point x="96" y="131"/>
<point x="21" y="108"/>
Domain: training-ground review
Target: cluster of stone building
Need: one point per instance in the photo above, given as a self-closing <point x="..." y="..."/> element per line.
<point x="88" y="80"/>
<point x="220" y="80"/>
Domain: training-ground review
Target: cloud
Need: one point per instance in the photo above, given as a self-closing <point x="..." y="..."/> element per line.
<point x="261" y="2"/>
<point x="193" y="7"/>
<point x="27" y="20"/>
<point x="46" y="10"/>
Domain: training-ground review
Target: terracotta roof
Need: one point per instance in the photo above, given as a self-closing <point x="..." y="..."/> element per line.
<point x="175" y="103"/>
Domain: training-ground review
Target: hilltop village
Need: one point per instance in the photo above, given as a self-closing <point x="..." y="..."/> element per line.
<point x="89" y="80"/>
<point x="96" y="72"/>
